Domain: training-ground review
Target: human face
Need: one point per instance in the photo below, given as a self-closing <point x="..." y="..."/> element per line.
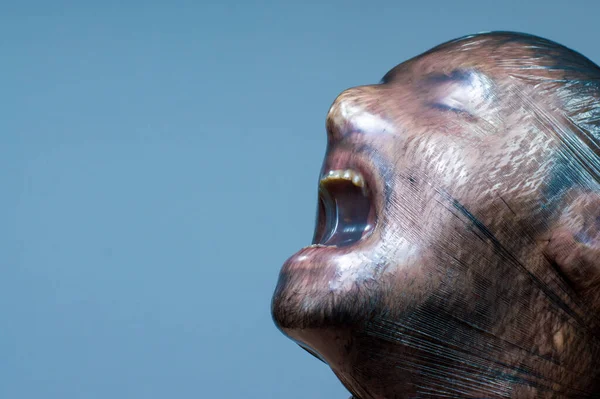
<point x="426" y="269"/>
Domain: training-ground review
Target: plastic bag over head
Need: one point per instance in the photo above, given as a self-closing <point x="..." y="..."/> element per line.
<point x="457" y="245"/>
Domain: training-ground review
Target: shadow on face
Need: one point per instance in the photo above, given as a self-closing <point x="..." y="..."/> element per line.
<point x="456" y="250"/>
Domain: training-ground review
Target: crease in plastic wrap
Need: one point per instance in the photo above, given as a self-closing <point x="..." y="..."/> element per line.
<point x="456" y="252"/>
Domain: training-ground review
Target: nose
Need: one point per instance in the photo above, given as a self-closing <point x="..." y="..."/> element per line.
<point x="357" y="111"/>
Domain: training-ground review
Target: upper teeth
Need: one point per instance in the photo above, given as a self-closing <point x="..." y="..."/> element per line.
<point x="347" y="174"/>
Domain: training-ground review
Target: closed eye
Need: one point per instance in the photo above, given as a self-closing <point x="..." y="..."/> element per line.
<point x="464" y="92"/>
<point x="448" y="107"/>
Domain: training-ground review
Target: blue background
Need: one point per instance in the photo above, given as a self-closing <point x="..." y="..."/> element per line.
<point x="158" y="165"/>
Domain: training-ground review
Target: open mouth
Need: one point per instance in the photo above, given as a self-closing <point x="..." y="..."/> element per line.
<point x="346" y="213"/>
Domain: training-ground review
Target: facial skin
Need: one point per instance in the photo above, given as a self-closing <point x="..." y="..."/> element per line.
<point x="468" y="263"/>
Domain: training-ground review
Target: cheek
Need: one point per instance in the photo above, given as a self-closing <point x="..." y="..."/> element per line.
<point x="441" y="162"/>
<point x="413" y="280"/>
<point x="516" y="166"/>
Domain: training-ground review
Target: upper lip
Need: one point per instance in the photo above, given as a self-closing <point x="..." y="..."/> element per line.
<point x="350" y="175"/>
<point x="350" y="158"/>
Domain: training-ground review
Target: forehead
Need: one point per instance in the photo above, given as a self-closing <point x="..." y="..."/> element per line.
<point x="496" y="57"/>
<point x="503" y="67"/>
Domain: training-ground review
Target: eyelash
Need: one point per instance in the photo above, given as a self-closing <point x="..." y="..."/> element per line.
<point x="446" y="107"/>
<point x="460" y="112"/>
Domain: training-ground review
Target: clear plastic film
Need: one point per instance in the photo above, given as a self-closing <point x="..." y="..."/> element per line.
<point x="457" y="243"/>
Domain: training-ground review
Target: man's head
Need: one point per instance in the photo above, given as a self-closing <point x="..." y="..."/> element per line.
<point x="457" y="248"/>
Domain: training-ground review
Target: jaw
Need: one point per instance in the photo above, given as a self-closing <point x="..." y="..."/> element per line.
<point x="396" y="326"/>
<point x="327" y="294"/>
<point x="326" y="286"/>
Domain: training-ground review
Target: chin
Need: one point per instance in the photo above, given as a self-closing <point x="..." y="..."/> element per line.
<point x="316" y="298"/>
